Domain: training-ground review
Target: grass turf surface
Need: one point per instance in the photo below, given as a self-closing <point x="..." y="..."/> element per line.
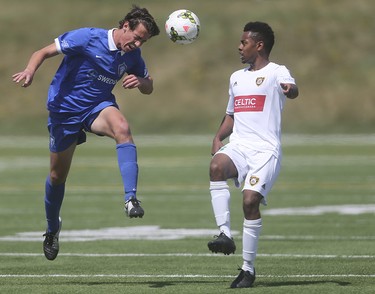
<point x="298" y="252"/>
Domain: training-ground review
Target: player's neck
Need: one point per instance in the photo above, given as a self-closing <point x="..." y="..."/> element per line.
<point x="259" y="64"/>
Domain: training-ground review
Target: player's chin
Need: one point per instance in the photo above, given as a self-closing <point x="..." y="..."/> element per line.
<point x="129" y="47"/>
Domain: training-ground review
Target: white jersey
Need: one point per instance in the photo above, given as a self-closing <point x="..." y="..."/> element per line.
<point x="256" y="100"/>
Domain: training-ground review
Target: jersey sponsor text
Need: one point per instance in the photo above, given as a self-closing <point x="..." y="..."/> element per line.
<point x="249" y="103"/>
<point x="107" y="80"/>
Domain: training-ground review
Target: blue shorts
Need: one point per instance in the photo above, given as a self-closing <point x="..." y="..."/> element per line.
<point x="67" y="128"/>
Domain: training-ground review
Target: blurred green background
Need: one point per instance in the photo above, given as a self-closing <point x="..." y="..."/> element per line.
<point x="327" y="44"/>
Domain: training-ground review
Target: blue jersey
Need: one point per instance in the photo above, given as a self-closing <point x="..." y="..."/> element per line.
<point x="91" y="67"/>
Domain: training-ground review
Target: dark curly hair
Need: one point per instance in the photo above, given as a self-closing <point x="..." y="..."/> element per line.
<point x="261" y="32"/>
<point x="140" y="15"/>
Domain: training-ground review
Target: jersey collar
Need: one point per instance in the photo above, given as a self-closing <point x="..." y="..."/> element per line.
<point x="111" y="42"/>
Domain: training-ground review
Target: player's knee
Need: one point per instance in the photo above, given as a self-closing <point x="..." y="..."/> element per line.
<point x="216" y="171"/>
<point x="251" y="211"/>
<point x="251" y="201"/>
<point x="57" y="178"/>
<point x="122" y="133"/>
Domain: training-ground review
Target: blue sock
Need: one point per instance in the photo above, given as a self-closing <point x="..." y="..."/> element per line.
<point x="52" y="201"/>
<point x="127" y="161"/>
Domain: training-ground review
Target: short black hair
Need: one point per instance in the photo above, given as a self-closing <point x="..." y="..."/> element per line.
<point x="140" y="15"/>
<point x="262" y="32"/>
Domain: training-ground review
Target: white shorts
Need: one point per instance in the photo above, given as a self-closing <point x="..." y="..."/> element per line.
<point x="257" y="170"/>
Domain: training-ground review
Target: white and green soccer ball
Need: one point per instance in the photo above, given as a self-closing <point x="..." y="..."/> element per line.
<point x="182" y="26"/>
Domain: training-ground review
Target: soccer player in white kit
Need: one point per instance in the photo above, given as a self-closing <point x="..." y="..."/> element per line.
<point x="252" y="157"/>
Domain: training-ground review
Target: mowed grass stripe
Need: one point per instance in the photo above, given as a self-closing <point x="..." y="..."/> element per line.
<point x="181" y="276"/>
<point x="194" y="140"/>
<point x="324" y="256"/>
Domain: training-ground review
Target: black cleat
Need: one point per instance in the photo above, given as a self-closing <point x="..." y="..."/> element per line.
<point x="51" y="243"/>
<point x="223" y="244"/>
<point x="133" y="208"/>
<point x="244" y="280"/>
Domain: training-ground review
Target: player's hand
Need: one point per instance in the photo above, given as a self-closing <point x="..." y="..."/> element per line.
<point x="26" y="76"/>
<point x="131" y="82"/>
<point x="289" y="90"/>
<point x="286" y="88"/>
<point x="144" y="85"/>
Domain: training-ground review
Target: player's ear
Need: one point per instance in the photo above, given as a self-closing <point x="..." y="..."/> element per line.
<point x="260" y="45"/>
<point x="125" y="26"/>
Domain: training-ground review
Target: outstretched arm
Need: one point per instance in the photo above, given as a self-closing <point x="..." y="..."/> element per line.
<point x="35" y="61"/>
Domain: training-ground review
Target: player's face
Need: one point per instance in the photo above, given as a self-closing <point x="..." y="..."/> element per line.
<point x="248" y="48"/>
<point x="132" y="39"/>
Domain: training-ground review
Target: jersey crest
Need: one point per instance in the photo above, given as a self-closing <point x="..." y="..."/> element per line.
<point x="254" y="180"/>
<point x="259" y="81"/>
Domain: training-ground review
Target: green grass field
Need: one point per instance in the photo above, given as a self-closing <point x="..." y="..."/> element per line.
<point x="318" y="230"/>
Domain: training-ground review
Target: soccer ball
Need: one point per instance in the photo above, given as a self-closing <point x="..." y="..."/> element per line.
<point x="182" y="26"/>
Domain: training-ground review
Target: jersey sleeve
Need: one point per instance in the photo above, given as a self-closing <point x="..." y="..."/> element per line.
<point x="284" y="76"/>
<point x="230" y="105"/>
<point x="138" y="68"/>
<point x="73" y="42"/>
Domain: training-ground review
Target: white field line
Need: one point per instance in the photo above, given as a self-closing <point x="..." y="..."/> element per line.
<point x="188" y="276"/>
<point x="322" y="256"/>
<point x="182" y="276"/>
<point x="157" y="233"/>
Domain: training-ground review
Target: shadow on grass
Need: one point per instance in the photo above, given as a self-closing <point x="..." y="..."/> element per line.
<point x="163" y="284"/>
<point x="299" y="283"/>
<point x="152" y="284"/>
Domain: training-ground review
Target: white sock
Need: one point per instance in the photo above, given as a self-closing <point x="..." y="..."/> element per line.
<point x="220" y="200"/>
<point x="250" y="237"/>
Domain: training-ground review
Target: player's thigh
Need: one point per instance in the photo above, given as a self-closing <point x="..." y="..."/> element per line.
<point x="112" y="123"/>
<point x="238" y="167"/>
<point x="222" y="168"/>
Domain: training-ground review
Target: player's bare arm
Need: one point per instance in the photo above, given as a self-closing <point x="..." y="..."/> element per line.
<point x="290" y="90"/>
<point x="224" y="131"/>
<point x="35" y="61"/>
<point x="145" y="85"/>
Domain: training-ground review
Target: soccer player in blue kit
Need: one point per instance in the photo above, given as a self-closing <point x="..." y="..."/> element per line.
<point x="80" y="100"/>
